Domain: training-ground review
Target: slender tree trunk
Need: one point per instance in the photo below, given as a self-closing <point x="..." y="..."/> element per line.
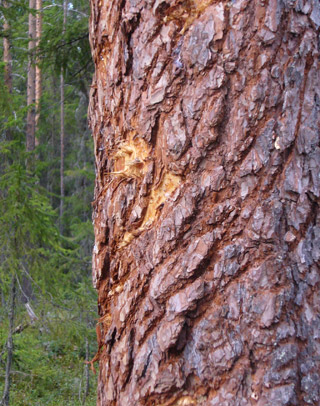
<point x="62" y="129"/>
<point x="205" y="117"/>
<point x="7" y="59"/>
<point x="6" y="53"/>
<point x="38" y="79"/>
<point x="6" y="391"/>
<point x="87" y="375"/>
<point x="31" y="125"/>
<point x="61" y="148"/>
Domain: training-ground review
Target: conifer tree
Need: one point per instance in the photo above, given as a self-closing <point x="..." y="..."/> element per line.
<point x="51" y="273"/>
<point x="31" y="125"/>
<point x="38" y="86"/>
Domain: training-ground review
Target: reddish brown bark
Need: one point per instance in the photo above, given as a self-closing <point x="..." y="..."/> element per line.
<point x="38" y="78"/>
<point x="31" y="85"/>
<point x="205" y="117"/>
<point x="7" y="59"/>
<point x="6" y="52"/>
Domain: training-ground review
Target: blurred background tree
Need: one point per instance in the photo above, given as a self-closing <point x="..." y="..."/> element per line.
<point x="48" y="306"/>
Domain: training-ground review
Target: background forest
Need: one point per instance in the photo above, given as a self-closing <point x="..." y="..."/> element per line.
<point x="48" y="307"/>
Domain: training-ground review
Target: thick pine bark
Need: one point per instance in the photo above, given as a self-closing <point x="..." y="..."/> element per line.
<point x="205" y="117"/>
<point x="31" y="86"/>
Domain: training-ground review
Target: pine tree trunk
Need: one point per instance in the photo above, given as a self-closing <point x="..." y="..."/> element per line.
<point x="38" y="79"/>
<point x="7" y="59"/>
<point x="31" y="124"/>
<point x="6" y="392"/>
<point x="86" y="374"/>
<point x="205" y="118"/>
<point x="61" y="148"/>
<point x="6" y="53"/>
<point x="62" y="129"/>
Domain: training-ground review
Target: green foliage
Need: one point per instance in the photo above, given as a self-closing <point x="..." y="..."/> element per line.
<point x="48" y="364"/>
<point x="53" y="271"/>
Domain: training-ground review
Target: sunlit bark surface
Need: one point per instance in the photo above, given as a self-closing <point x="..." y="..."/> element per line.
<point x="205" y="118"/>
